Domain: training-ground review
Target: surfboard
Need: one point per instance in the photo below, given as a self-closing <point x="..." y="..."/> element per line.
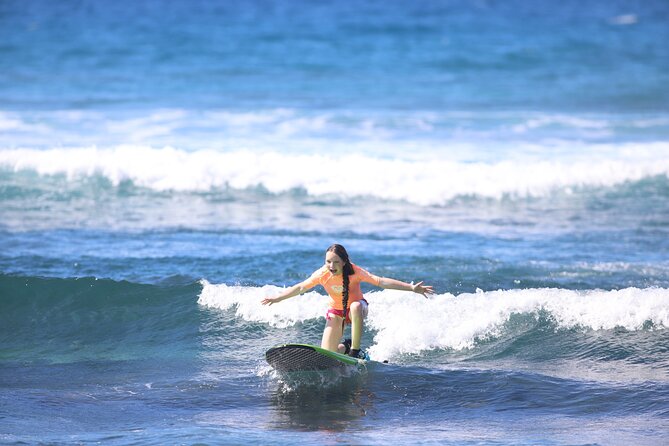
<point x="305" y="357"/>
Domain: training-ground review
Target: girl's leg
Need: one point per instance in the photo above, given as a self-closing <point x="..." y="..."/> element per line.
<point x="332" y="333"/>
<point x="358" y="312"/>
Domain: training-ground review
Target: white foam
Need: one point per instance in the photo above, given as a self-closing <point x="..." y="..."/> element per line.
<point x="409" y="323"/>
<point x="561" y="120"/>
<point x="8" y="123"/>
<point x="624" y="19"/>
<point x="11" y="123"/>
<point x="246" y="302"/>
<point x="421" y="181"/>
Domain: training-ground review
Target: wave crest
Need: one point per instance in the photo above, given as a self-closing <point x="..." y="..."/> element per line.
<point x="405" y="323"/>
<point x="419" y="181"/>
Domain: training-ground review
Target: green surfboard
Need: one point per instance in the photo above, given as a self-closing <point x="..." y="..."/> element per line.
<point x="305" y="357"/>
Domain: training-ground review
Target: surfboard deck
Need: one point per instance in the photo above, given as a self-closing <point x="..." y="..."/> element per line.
<point x="305" y="357"/>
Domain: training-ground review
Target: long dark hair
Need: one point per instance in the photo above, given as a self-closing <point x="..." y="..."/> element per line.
<point x="347" y="271"/>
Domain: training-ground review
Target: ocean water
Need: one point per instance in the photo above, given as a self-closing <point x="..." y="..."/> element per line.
<point x="166" y="165"/>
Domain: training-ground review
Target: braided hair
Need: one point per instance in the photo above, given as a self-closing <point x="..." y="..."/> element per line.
<point x="347" y="271"/>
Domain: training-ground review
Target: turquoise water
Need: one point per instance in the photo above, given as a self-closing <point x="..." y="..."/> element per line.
<point x="165" y="166"/>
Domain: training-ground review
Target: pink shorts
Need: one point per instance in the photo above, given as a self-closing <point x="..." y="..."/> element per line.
<point x="334" y="312"/>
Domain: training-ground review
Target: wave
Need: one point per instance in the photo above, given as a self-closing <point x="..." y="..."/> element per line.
<point x="430" y="181"/>
<point x="72" y="320"/>
<point x="409" y="324"/>
<point x="64" y="320"/>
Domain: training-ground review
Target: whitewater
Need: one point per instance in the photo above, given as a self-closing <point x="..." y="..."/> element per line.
<point x="409" y="324"/>
<point x="424" y="182"/>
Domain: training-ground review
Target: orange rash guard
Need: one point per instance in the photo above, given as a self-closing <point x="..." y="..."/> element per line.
<point x="334" y="284"/>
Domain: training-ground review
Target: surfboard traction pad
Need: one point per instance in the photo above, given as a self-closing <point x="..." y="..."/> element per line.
<point x="299" y="358"/>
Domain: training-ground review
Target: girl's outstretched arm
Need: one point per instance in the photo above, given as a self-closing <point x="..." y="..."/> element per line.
<point x="392" y="284"/>
<point x="287" y="293"/>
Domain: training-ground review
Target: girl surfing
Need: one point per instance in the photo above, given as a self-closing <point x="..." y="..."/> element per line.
<point x="341" y="280"/>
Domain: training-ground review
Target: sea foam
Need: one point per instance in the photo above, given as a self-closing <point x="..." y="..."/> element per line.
<point x="246" y="302"/>
<point x="427" y="181"/>
<point x="408" y="323"/>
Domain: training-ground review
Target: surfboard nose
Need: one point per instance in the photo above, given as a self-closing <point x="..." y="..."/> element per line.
<point x="304" y="357"/>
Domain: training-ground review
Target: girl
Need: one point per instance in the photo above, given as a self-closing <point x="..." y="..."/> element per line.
<point x="341" y="279"/>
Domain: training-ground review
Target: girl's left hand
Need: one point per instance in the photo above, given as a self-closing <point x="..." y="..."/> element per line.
<point x="269" y="301"/>
<point x="422" y="289"/>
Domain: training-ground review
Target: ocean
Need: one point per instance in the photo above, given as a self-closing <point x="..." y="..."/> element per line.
<point x="164" y="166"/>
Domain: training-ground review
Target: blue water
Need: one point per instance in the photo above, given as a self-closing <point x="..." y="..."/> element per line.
<point x="166" y="165"/>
